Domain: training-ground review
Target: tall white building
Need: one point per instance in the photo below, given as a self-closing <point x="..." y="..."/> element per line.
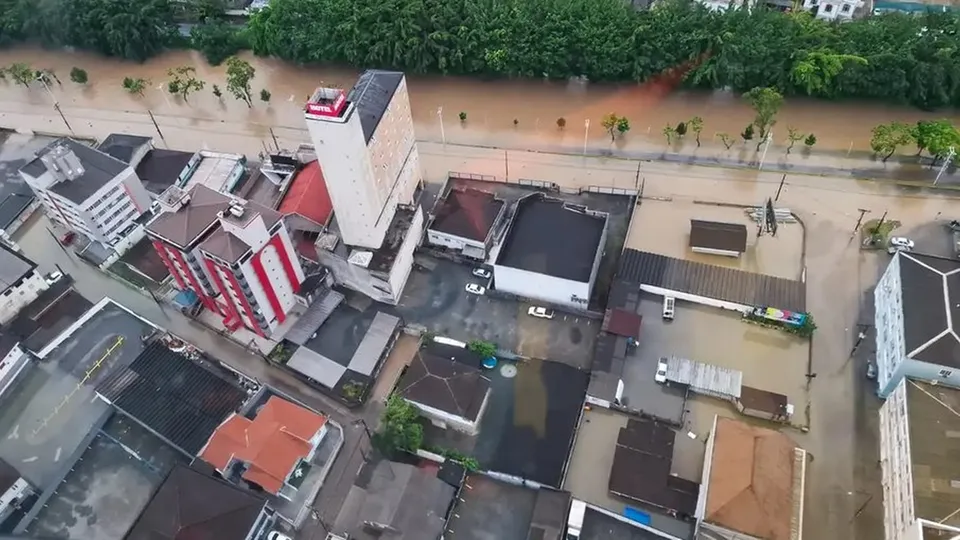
<point x="917" y="321"/>
<point x="86" y="190"/>
<point x="366" y="146"/>
<point x="919" y="446"/>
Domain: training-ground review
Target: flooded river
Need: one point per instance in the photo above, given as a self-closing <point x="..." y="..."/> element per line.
<point x="491" y="106"/>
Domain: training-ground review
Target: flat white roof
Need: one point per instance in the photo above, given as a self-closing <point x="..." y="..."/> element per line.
<point x="705" y="376"/>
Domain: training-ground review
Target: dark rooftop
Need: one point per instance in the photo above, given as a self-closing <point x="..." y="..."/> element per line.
<point x="16" y="150"/>
<point x="645" y="268"/>
<point x="600" y="526"/>
<point x="145" y="259"/>
<point x="122" y="146"/>
<point x="641" y="468"/>
<point x="467" y="213"/>
<point x="622" y="322"/>
<point x="717" y="235"/>
<point x="436" y="379"/>
<point x="14" y="267"/>
<point x="762" y="400"/>
<point x="160" y="168"/>
<point x="930" y="290"/>
<point x="8" y="475"/>
<point x="50" y="314"/>
<point x="371" y="96"/>
<point x="184" y="226"/>
<point x="98" y="169"/>
<point x="549" y="519"/>
<point x="934" y="447"/>
<point x="192" y="506"/>
<point x="552" y="237"/>
<point x="173" y="396"/>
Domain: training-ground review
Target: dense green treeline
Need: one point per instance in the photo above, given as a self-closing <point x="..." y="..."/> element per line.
<point x="893" y="58"/>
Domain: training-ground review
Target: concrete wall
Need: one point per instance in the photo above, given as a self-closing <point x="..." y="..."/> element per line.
<point x="559" y="291"/>
<point x="16" y="298"/>
<point x="11" y="366"/>
<point x="447" y="420"/>
<point x="896" y="466"/>
<point x="703" y="300"/>
<point x="888" y="321"/>
<point x="357" y="278"/>
<point x="403" y="264"/>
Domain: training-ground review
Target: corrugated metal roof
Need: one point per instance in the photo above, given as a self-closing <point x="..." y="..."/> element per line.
<point x="311" y="321"/>
<point x="371" y="347"/>
<point x="727" y="284"/>
<point x="316" y="366"/>
<point x="705" y="377"/>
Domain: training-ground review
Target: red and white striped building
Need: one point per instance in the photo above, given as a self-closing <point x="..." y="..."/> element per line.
<point x="236" y="255"/>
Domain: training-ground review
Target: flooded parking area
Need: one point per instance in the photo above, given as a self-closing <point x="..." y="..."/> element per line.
<point x="664" y="227"/>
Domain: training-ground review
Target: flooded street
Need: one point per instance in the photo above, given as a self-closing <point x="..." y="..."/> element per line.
<point x="491" y="106"/>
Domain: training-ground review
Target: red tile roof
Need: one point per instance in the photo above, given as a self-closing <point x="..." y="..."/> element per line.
<point x="308" y="195"/>
<point x="272" y="443"/>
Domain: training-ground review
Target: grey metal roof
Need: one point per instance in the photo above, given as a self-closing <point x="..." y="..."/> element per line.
<point x="312" y="319"/>
<point x="718" y="235"/>
<point x="98" y="169"/>
<point x="316" y="366"/>
<point x="727" y="284"/>
<point x="225" y="245"/>
<point x="14" y="267"/>
<point x="371" y="96"/>
<point x="550" y="237"/>
<point x="185" y="225"/>
<point x="930" y="291"/>
<point x="374" y="343"/>
<point x="445" y="384"/>
<point x="122" y="146"/>
<point x="173" y="396"/>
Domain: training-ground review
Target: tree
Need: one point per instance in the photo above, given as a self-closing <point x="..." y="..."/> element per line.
<point x="516" y="123"/>
<point x="747" y="133"/>
<point x="793" y="135"/>
<point x="216" y="40"/>
<point x="239" y="75"/>
<point x="400" y="429"/>
<point x="561" y="123"/>
<point x="264" y="95"/>
<point x="810" y="141"/>
<point x="623" y="125"/>
<point x="217" y="92"/>
<point x="766" y="104"/>
<point x="936" y="137"/>
<point x="184" y="81"/>
<point x="681" y="129"/>
<point x="483" y="348"/>
<point x="135" y="31"/>
<point x="47" y="77"/>
<point x="888" y="138"/>
<point x="669" y="132"/>
<point x="463" y="117"/>
<point x="726" y="139"/>
<point x="78" y="75"/>
<point x="696" y="126"/>
<point x="816" y="70"/>
<point x="135" y="85"/>
<point x="21" y="73"/>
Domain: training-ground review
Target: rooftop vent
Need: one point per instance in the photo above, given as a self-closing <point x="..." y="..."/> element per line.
<point x="361" y="258"/>
<point x="237" y="209"/>
<point x="63" y="163"/>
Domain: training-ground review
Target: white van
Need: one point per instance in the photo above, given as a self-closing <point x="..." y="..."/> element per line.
<point x="669" y="303"/>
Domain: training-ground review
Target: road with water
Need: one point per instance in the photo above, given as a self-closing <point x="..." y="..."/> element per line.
<point x="843" y="496"/>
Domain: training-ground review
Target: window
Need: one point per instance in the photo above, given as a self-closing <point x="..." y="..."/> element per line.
<point x="945" y="373"/>
<point x="845" y="8"/>
<point x="828" y="8"/>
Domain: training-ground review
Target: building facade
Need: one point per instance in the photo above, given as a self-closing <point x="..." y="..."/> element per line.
<point x="20" y="282"/>
<point x="365" y="143"/>
<point x="833" y="10"/>
<point x="914" y="319"/>
<point x="87" y="191"/>
<point x="236" y="256"/>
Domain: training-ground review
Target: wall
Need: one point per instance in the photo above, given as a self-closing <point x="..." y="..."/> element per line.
<point x="403" y="264"/>
<point x="391" y="150"/>
<point x="11" y="366"/>
<point x="551" y="289"/>
<point x="888" y="321"/>
<point x="895" y="463"/>
<point x="452" y="421"/>
<point x="712" y="302"/>
<point x="451" y="241"/>
<point x="711" y="251"/>
<point x="701" y="509"/>
<point x="15" y="298"/>
<point x="598" y="256"/>
<point x="357" y="278"/>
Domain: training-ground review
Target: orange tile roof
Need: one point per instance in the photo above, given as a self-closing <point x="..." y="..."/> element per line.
<point x="751" y="480"/>
<point x="272" y="443"/>
<point x="308" y="195"/>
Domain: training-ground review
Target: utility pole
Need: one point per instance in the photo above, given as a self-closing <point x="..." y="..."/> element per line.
<point x="506" y="165"/>
<point x="946" y="163"/>
<point x="62" y="117"/>
<point x="443" y="134"/>
<point x="636" y="181"/>
<point x="863" y="212"/>
<point x="156" y="126"/>
<point x="766" y="146"/>
<point x="779" y="189"/>
<point x="882" y="219"/>
<point x="586" y="131"/>
<point x="57" y="240"/>
<point x="275" y="143"/>
<point x="643" y="184"/>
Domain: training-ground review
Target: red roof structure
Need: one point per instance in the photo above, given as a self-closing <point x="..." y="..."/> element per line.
<point x="307" y="195"/>
<point x="622" y="323"/>
<point x="272" y="443"/>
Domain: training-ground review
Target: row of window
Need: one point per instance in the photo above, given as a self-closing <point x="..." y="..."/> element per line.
<point x="106" y="197"/>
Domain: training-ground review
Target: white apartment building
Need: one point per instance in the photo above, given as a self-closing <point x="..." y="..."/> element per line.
<point x="833" y="10"/>
<point x="916" y="308"/>
<point x="20" y="282"/>
<point x="86" y="190"/>
<point x="919" y="445"/>
<point x="366" y="146"/>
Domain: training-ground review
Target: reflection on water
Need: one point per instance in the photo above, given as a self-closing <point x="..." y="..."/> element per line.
<point x="490" y="105"/>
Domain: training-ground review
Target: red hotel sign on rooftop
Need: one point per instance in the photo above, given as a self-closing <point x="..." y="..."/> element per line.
<point x="325" y="103"/>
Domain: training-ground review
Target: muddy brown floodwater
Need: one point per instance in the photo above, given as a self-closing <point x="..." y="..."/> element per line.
<point x="491" y="106"/>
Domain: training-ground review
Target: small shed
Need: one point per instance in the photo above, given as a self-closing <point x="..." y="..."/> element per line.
<point x="717" y="238"/>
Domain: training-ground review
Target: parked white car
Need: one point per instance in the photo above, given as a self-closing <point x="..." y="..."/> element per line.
<point x="661" y="376"/>
<point x="53" y="277"/>
<point x="277" y="535"/>
<point x="482" y="273"/>
<point x="900" y="243"/>
<point x="541" y="313"/>
<point x="473" y="288"/>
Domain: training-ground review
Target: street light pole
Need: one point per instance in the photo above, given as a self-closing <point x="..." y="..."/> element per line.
<point x="443" y="134"/>
<point x="766" y="146"/>
<point x="586" y="131"/>
<point x="946" y="163"/>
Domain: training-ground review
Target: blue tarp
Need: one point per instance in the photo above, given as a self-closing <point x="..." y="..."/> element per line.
<point x="186" y="299"/>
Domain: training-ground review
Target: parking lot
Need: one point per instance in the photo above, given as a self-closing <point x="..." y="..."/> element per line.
<point x="769" y="359"/>
<point x="437" y="300"/>
<point x="779" y="256"/>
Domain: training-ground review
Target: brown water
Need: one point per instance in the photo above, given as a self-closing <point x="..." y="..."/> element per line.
<point x="491" y="106"/>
